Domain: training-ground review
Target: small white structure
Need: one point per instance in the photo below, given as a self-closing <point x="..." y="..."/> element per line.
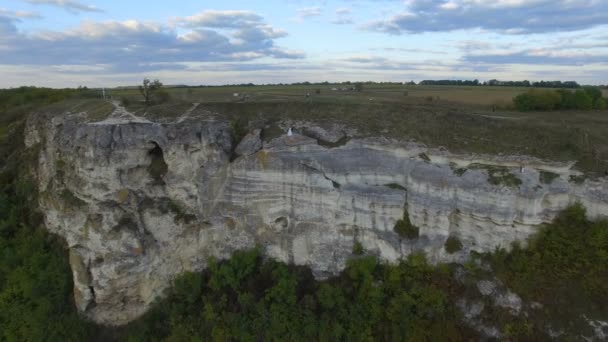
<point x="235" y="94"/>
<point x="289" y="132"/>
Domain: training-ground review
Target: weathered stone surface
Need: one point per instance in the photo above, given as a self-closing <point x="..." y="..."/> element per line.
<point x="250" y="144"/>
<point x="132" y="228"/>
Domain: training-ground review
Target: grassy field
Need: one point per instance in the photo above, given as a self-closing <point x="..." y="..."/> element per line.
<point x="484" y="96"/>
<point x="462" y="119"/>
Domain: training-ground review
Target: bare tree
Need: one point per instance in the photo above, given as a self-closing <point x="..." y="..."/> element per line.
<point x="148" y="88"/>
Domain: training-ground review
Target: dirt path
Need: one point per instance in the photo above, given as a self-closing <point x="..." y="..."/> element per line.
<point x="120" y="115"/>
<point x="188" y="112"/>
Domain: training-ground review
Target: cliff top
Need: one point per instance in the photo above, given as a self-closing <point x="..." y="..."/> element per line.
<point x="468" y="126"/>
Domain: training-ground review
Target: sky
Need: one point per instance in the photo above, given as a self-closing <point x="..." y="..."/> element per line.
<point x="95" y="43"/>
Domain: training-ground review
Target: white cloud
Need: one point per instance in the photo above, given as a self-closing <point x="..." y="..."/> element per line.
<point x="308" y="12"/>
<point x="506" y="16"/>
<point x="136" y="45"/>
<point x="69" y="5"/>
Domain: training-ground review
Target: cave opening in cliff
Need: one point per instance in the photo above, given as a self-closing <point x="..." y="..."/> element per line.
<point x="158" y="167"/>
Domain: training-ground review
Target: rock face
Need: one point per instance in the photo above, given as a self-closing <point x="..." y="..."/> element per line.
<point x="141" y="202"/>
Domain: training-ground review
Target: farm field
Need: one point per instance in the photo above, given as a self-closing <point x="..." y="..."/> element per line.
<point x="484" y="96"/>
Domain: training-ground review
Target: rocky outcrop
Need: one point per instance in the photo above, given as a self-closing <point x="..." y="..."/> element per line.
<point x="140" y="202"/>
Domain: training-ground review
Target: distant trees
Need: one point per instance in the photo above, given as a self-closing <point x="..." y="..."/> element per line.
<point x="497" y="83"/>
<point x="450" y="82"/>
<point x="546" y="100"/>
<point x="359" y="87"/>
<point x="152" y="92"/>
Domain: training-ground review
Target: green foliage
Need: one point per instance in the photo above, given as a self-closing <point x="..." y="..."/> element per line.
<point x="35" y="278"/>
<point x="158" y="167"/>
<point x="395" y="186"/>
<point x="249" y="298"/>
<point x="453" y="245"/>
<point x="564" y="267"/>
<point x="582" y="100"/>
<point x="405" y="229"/>
<point x="547" y="100"/>
<point x="499" y="175"/>
<point x="600" y="104"/>
<point x="239" y="130"/>
<point x="536" y="99"/>
<point x="358" y="248"/>
<point x="152" y="92"/>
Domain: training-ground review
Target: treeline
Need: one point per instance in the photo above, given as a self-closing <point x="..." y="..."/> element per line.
<point x="325" y="83"/>
<point x="497" y="83"/>
<point x="547" y="100"/>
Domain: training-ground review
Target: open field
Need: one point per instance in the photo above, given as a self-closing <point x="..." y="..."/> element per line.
<point x="485" y="96"/>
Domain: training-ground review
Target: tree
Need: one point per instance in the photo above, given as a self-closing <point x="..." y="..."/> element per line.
<point x="359" y="87"/>
<point x="148" y="88"/>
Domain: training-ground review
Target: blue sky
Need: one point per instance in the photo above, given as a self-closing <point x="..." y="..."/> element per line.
<point x="63" y="43"/>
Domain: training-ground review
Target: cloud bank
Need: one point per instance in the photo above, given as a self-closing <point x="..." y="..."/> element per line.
<point x="505" y="16"/>
<point x="134" y="45"/>
<point x="69" y="5"/>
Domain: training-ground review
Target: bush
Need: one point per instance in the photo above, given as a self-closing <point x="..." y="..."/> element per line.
<point x="546" y="100"/>
<point x="161" y="96"/>
<point x="600" y="104"/>
<point x="125" y="101"/>
<point x="452" y="245"/>
<point x="536" y="99"/>
<point x="582" y="100"/>
<point x="358" y="248"/>
<point x="405" y="229"/>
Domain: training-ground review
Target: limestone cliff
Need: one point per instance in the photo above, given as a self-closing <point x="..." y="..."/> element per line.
<point x="140" y="202"/>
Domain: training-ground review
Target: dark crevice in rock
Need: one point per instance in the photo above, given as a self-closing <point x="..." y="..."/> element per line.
<point x="158" y="167"/>
<point x="335" y="184"/>
<point x="93" y="301"/>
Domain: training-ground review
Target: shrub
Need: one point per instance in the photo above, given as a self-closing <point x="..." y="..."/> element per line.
<point x="125" y="101"/>
<point x="358" y="248"/>
<point x="452" y="245"/>
<point x="161" y="96"/>
<point x="405" y="229"/>
<point x="582" y="100"/>
<point x="600" y="104"/>
<point x="536" y="99"/>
